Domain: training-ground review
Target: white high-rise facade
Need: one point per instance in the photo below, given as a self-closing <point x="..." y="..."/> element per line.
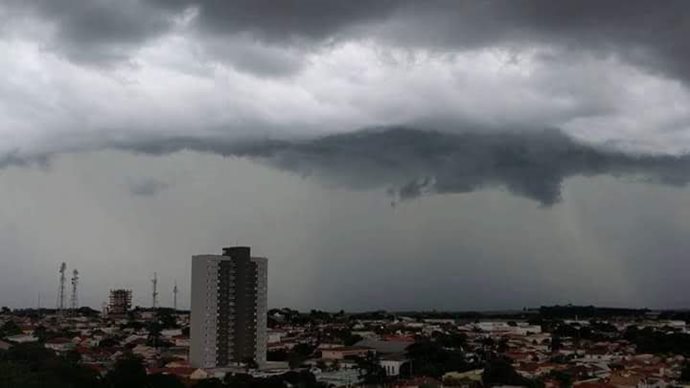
<point x="228" y="311"/>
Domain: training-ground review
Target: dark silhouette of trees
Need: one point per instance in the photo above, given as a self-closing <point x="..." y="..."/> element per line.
<point x="163" y="381"/>
<point x="499" y="371"/>
<point x="31" y="365"/>
<point x="129" y="372"/>
<point x="450" y="340"/>
<point x="685" y="374"/>
<point x="10" y="328"/>
<point x="556" y="344"/>
<point x="210" y="383"/>
<point x="298" y="354"/>
<point x="649" y="340"/>
<point x="301" y="379"/>
<point x="429" y="358"/>
<point x="370" y="369"/>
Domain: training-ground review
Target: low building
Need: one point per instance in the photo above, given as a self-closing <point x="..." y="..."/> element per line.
<point x="471" y="378"/>
<point x="5" y="345"/>
<point x="22" y="338"/>
<point x="59" y="344"/>
<point x="344" y="352"/>
<point x="339" y="378"/>
<point x="393" y="363"/>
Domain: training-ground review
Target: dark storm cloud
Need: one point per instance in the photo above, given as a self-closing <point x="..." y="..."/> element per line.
<point x="648" y="33"/>
<point x="104" y="31"/>
<point x="98" y="32"/>
<point x="15" y="159"/>
<point x="411" y="163"/>
<point x="146" y="187"/>
<point x="280" y="21"/>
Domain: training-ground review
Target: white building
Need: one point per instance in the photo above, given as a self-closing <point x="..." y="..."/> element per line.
<point x="228" y="311"/>
<point x="392" y="364"/>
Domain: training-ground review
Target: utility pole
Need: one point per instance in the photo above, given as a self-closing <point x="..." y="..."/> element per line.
<point x="61" y="291"/>
<point x="175" y="290"/>
<point x="154" y="294"/>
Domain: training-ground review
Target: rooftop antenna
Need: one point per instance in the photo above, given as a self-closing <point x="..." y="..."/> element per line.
<point x="175" y="290"/>
<point x="61" y="291"/>
<point x="75" y="281"/>
<point x="154" y="294"/>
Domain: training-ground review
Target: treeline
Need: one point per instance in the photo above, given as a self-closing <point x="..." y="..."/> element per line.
<point x="586" y="312"/>
<point x="33" y="366"/>
<point x="544" y="312"/>
<point x="667" y="341"/>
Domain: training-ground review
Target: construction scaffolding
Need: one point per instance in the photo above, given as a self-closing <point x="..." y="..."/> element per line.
<point x="120" y="302"/>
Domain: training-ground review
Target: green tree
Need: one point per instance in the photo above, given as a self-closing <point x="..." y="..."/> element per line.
<point x="129" y="372"/>
<point x="556" y="344"/>
<point x="31" y="365"/>
<point x="565" y="379"/>
<point x="10" y="328"/>
<point x="167" y="319"/>
<point x="685" y="374"/>
<point x="41" y="333"/>
<point x="154" y="334"/>
<point x="210" y="383"/>
<point x="251" y="363"/>
<point x="450" y="340"/>
<point x="321" y="364"/>
<point x="72" y="357"/>
<point x="499" y="372"/>
<point x="163" y="381"/>
<point x="503" y="345"/>
<point x="298" y="354"/>
<point x="429" y="358"/>
<point x="239" y="380"/>
<point x="370" y="369"/>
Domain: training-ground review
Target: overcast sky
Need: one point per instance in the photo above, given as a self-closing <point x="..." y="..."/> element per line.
<point x="382" y="154"/>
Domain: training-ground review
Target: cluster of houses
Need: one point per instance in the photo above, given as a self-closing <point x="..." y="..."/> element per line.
<point x="334" y="350"/>
<point x="602" y="363"/>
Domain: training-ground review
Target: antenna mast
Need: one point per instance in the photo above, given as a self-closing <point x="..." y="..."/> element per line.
<point x="175" y="296"/>
<point x="75" y="301"/>
<point x="61" y="292"/>
<point x="154" y="294"/>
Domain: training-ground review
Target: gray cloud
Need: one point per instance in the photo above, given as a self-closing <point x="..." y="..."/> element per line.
<point x="56" y="109"/>
<point x="146" y="187"/>
<point x="411" y="163"/>
<point x="292" y="20"/>
<point x="97" y="32"/>
<point x="652" y="34"/>
<point x="304" y="68"/>
<point x="648" y="33"/>
<point x="15" y="159"/>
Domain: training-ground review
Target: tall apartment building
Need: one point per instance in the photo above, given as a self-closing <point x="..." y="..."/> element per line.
<point x="120" y="302"/>
<point x="228" y="311"/>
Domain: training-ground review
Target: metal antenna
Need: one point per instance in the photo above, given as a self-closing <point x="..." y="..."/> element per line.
<point x="154" y="294"/>
<point x="61" y="292"/>
<point x="175" y="290"/>
<point x="75" y="281"/>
